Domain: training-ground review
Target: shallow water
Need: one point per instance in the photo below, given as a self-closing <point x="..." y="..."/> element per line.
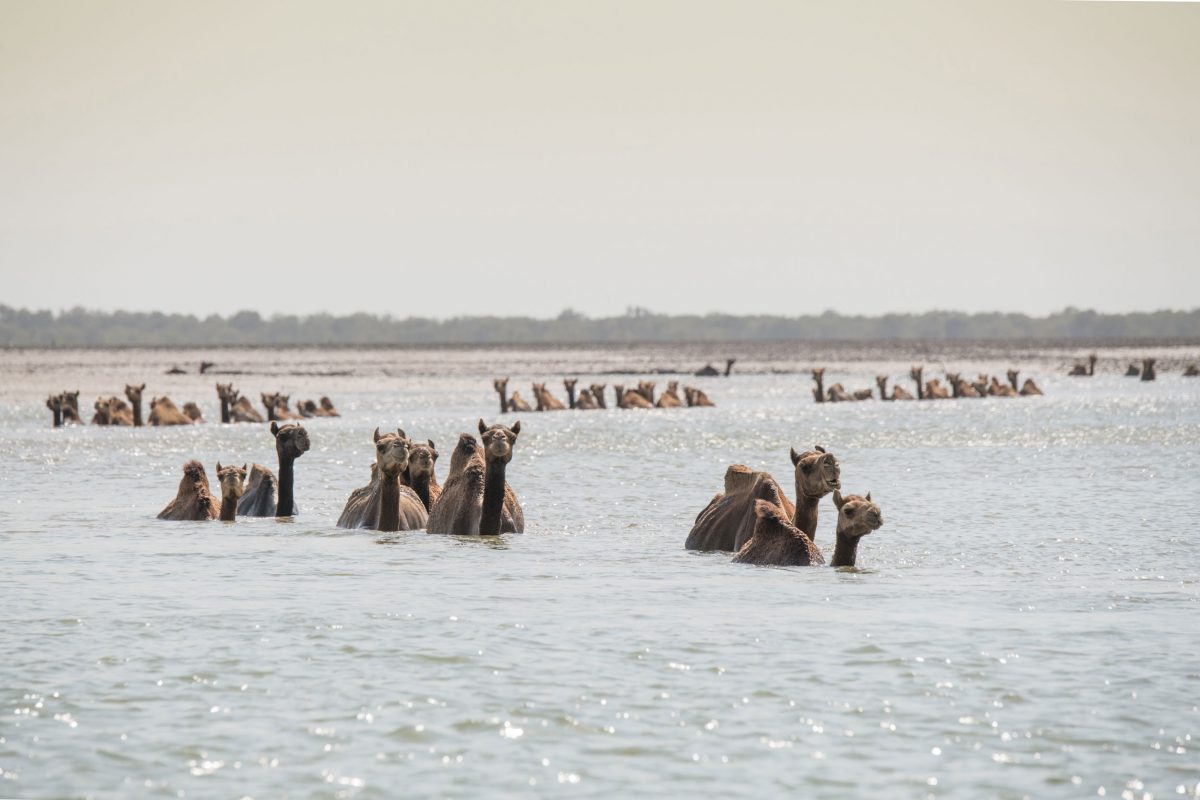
<point x="1023" y="624"/>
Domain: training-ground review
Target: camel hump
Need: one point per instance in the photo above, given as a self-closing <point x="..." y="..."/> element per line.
<point x="770" y="512"/>
<point x="738" y="478"/>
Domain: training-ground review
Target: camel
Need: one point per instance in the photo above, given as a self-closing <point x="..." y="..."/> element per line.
<point x="1132" y="371"/>
<point x="328" y="407"/>
<point x="709" y="371"/>
<point x="818" y="375"/>
<point x="545" y="400"/>
<point x="837" y="394"/>
<point x="420" y="476"/>
<point x="258" y="498"/>
<point x="1085" y="370"/>
<point x="1148" y="373"/>
<point x="915" y="373"/>
<point x="898" y="392"/>
<point x="112" y="411"/>
<point x="646" y="390"/>
<point x="569" y="385"/>
<point x="291" y="442"/>
<point x="959" y="387"/>
<point x="70" y="408"/>
<point x="697" y="397"/>
<point x="777" y="543"/>
<point x="935" y="391"/>
<point x="586" y="401"/>
<point x="501" y="387"/>
<point x="670" y="398"/>
<point x="998" y="389"/>
<point x="864" y="394"/>
<point x="1026" y="389"/>
<point x="164" y="412"/>
<point x="630" y="398"/>
<point x="308" y="409"/>
<point x="55" y="403"/>
<point x="857" y="517"/>
<point x="277" y="406"/>
<point x="466" y="449"/>
<point x="728" y="520"/>
<point x="269" y="402"/>
<point x="384" y="504"/>
<point x="242" y="410"/>
<point x="517" y="403"/>
<point x="478" y="500"/>
<point x="226" y="395"/>
<point x="233" y="482"/>
<point x="598" y="394"/>
<point x="134" y="393"/>
<point x="193" y="411"/>
<point x="193" y="500"/>
<point x="1192" y="371"/>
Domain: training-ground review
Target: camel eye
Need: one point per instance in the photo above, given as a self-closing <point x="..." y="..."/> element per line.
<point x="850" y="512"/>
<point x="381" y="447"/>
<point x="806" y="468"/>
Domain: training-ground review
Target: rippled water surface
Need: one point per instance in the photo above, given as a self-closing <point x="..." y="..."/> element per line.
<point x="1023" y="625"/>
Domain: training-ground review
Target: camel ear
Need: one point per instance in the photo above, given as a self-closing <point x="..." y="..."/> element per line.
<point x="218" y="466"/>
<point x="142" y="388"/>
<point x="838" y="500"/>
<point x="482" y="427"/>
<point x="818" y="448"/>
<point x="374" y="436"/>
<point x="432" y="447"/>
<point x="274" y="427"/>
<point x="400" y="431"/>
<point x="516" y="427"/>
<point x="868" y="497"/>
<point x="243" y="467"/>
<point x="795" y="457"/>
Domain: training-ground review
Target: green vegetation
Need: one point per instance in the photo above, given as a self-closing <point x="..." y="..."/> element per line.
<point x="81" y="328"/>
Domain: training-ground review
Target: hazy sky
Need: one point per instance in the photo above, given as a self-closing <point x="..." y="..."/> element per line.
<point x="449" y="158"/>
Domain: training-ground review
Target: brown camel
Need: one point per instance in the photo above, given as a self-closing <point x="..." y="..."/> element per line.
<point x="420" y="476"/>
<point x="1026" y="389"/>
<point x="164" y="412"/>
<point x="586" y="401"/>
<point x="291" y="442"/>
<point x="328" y="407"/>
<point x="727" y="522"/>
<point x="646" y="390"/>
<point x="134" y="393"/>
<point x="818" y="375"/>
<point x="517" y="403"/>
<point x="898" y="392"/>
<point x="308" y="409"/>
<point x="776" y="542"/>
<point x="233" y="484"/>
<point x="242" y="410"/>
<point x="598" y="394"/>
<point x="1148" y="373"/>
<point x="193" y="412"/>
<point x="384" y="504"/>
<point x="466" y="449"/>
<point x="998" y="389"/>
<point x="259" y="497"/>
<point x="476" y="501"/>
<point x="864" y="394"/>
<point x="501" y="387"/>
<point x="670" y="398"/>
<point x="271" y="404"/>
<point x="193" y="500"/>
<point x="960" y="387"/>
<point x="630" y="398"/>
<point x="282" y="411"/>
<point x="697" y="397"/>
<point x="55" y="403"/>
<point x="545" y="400"/>
<point x="569" y="385"/>
<point x="1192" y="371"/>
<point x="1132" y="371"/>
<point x="112" y="411"/>
<point x="226" y="395"/>
<point x="935" y="391"/>
<point x="915" y="373"/>
<point x="1085" y="370"/>
<point x="837" y="394"/>
<point x="70" y="408"/>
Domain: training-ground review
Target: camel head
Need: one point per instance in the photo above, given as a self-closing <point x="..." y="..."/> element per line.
<point x="500" y="385"/>
<point x="857" y="516"/>
<point x="232" y="480"/>
<point x="326" y="403"/>
<point x="392" y="451"/>
<point x="134" y="393"/>
<point x="569" y="383"/>
<point x="291" y="440"/>
<point x="817" y="472"/>
<point x="54" y="402"/>
<point x="466" y="449"/>
<point x="673" y="387"/>
<point x="598" y="389"/>
<point x="498" y="440"/>
<point x="225" y="392"/>
<point x="1012" y="376"/>
<point x="818" y="375"/>
<point x="102" y="406"/>
<point x="915" y="373"/>
<point x="881" y="382"/>
<point x="71" y="399"/>
<point x="194" y="478"/>
<point x="421" y="459"/>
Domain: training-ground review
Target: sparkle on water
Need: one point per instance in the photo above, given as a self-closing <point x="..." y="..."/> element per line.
<point x="1023" y="625"/>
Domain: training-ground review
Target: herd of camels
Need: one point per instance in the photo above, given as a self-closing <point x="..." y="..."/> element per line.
<point x="591" y="398"/>
<point x="931" y="389"/>
<point x="752" y="518"/>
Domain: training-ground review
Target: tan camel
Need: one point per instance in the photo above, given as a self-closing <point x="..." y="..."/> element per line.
<point x="598" y="394"/>
<point x="586" y="401"/>
<point x="501" y="387"/>
<point x="646" y="390"/>
<point x="328" y="407"/>
<point x="728" y="520"/>
<point x="466" y="449"/>
<point x="277" y="406"/>
<point x="935" y="391"/>
<point x="134" y="393"/>
<point x="112" y="411"/>
<point x="864" y="394"/>
<point x="1192" y="371"/>
<point x="193" y="412"/>
<point x="260" y="495"/>
<point x="384" y="504"/>
<point x="1085" y="370"/>
<point x="242" y="410"/>
<point x="818" y="375"/>
<point x="233" y="484"/>
<point x="164" y="412"/>
<point x="837" y="394"/>
<point x="1132" y="371"/>
<point x="775" y="541"/>
<point x="420" y="476"/>
<point x="998" y="389"/>
<point x="1026" y="389"/>
<point x="697" y="397"/>
<point x="916" y="374"/>
<point x="960" y="387"/>
<point x="545" y="400"/>
<point x="630" y="398"/>
<point x="569" y="385"/>
<point x="898" y="392"/>
<point x="476" y="501"/>
<point x="193" y="500"/>
<point x="857" y="517"/>
<point x="670" y="398"/>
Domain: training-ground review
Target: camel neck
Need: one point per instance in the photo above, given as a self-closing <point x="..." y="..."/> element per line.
<point x="286" y="505"/>
<point x="491" y="517"/>
<point x="224" y="409"/>
<point x="503" y="399"/>
<point x="920" y="389"/>
<point x="806" y="515"/>
<point x="389" y="508"/>
<point x="228" y="508"/>
<point x="137" y="413"/>
<point x="846" y="550"/>
<point x="58" y="416"/>
<point x="420" y="485"/>
<point x="571" y="395"/>
<point x="820" y="390"/>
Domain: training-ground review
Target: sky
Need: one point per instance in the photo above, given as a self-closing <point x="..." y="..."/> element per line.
<point x="460" y="158"/>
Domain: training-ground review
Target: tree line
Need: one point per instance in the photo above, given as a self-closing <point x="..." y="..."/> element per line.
<point x="80" y="327"/>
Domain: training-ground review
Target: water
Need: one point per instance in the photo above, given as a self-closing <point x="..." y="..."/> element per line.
<point x="1022" y="626"/>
